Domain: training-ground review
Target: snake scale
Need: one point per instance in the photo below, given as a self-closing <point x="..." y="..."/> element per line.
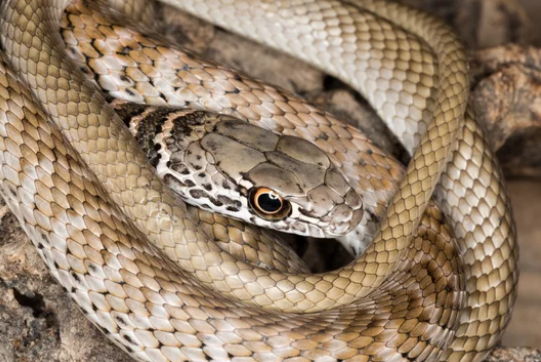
<point x="145" y="271"/>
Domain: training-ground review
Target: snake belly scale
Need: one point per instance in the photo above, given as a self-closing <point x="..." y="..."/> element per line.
<point x="142" y="269"/>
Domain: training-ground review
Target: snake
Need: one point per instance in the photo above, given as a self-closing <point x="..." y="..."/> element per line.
<point x="438" y="280"/>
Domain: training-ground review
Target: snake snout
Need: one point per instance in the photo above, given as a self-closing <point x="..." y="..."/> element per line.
<point x="344" y="219"/>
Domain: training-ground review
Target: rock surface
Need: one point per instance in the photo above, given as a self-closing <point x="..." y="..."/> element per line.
<point x="507" y="100"/>
<point x="514" y="354"/>
<point x="38" y="322"/>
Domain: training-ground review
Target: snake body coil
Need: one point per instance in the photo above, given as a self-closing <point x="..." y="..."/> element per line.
<point x="127" y="251"/>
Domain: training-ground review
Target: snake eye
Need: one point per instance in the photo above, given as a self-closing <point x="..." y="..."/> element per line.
<point x="267" y="201"/>
<point x="268" y="204"/>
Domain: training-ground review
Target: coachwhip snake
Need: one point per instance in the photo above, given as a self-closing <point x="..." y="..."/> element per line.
<point x="140" y="268"/>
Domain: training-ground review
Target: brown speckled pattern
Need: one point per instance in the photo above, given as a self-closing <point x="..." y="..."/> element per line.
<point x="411" y="295"/>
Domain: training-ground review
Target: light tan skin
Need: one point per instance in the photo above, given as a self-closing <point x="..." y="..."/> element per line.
<point x="417" y="298"/>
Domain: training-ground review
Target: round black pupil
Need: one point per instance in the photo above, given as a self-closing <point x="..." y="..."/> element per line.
<point x="269" y="203"/>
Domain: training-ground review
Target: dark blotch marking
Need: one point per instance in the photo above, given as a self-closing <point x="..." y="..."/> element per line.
<point x="127" y="111"/>
<point x="184" y="125"/>
<point x="226" y="185"/>
<point x="121" y="320"/>
<point x="323" y="137"/>
<point x="93" y="43"/>
<point x="129" y="340"/>
<point x="179" y="167"/>
<point x="227" y="201"/>
<point x="124" y="51"/>
<point x="149" y="127"/>
<point x="197" y="194"/>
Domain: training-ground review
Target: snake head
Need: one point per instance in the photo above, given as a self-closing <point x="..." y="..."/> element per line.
<point x="228" y="166"/>
<point x="298" y="189"/>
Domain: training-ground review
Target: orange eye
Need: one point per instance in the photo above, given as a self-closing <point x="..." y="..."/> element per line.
<point x="268" y="204"/>
<point x="268" y="201"/>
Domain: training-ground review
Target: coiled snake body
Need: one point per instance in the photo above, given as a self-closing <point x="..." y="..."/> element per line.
<point x="139" y="266"/>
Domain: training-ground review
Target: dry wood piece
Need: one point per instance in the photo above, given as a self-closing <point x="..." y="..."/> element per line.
<point x="38" y="321"/>
<point x="507" y="100"/>
<point x="483" y="23"/>
<point x="514" y="354"/>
